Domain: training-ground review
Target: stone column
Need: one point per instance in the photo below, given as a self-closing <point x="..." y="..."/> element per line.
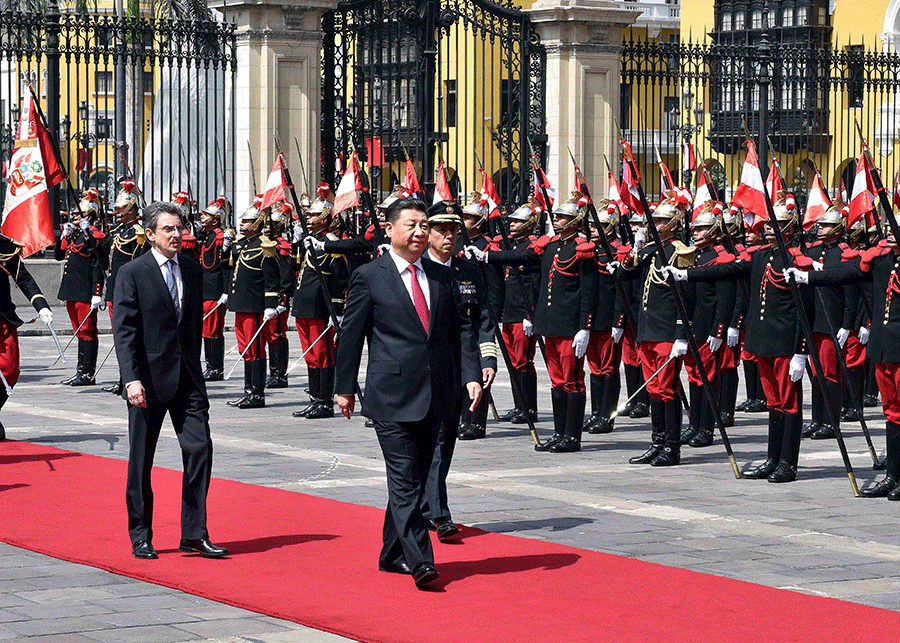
<point x="583" y="40"/>
<point x="277" y="88"/>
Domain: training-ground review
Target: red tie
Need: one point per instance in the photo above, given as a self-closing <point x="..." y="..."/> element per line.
<point x="419" y="298"/>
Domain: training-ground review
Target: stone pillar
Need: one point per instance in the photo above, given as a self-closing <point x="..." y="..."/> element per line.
<point x="583" y="40"/>
<point x="277" y="88"/>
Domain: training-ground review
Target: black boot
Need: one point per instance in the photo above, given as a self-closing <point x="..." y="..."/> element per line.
<point x="207" y="353"/>
<point x="574" y="422"/>
<point x="657" y="436"/>
<point x="79" y="367"/>
<point x="750" y="381"/>
<point x="632" y="384"/>
<point x="558" y="399"/>
<point x="776" y="437"/>
<point x="696" y="401"/>
<point x="818" y="410"/>
<point x="89" y="365"/>
<point x="671" y="451"/>
<point x="611" y="389"/>
<point x="885" y="487"/>
<point x="597" y="382"/>
<point x="642" y="401"/>
<point x="786" y="471"/>
<point x="257" y="398"/>
<point x="528" y="385"/>
<point x="278" y="365"/>
<point x="704" y="436"/>
<point x="248" y="385"/>
<point x="728" y="399"/>
<point x="324" y="408"/>
<point x="314" y="378"/>
<point x="515" y="410"/>
<point x="833" y="400"/>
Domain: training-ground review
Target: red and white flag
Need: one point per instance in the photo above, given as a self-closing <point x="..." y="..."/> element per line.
<point x="410" y="180"/>
<point x="701" y="196"/>
<point x="614" y="195"/>
<point x="750" y="194"/>
<point x="348" y="190"/>
<point x="631" y="197"/>
<point x="688" y="157"/>
<point x="441" y="187"/>
<point x="897" y="189"/>
<point x="489" y="193"/>
<point x="665" y="178"/>
<point x="816" y="203"/>
<point x="275" y="184"/>
<point x="541" y="181"/>
<point x="862" y="202"/>
<point x="774" y="184"/>
<point x="31" y="170"/>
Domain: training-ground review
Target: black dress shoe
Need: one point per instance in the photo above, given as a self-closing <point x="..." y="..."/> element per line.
<point x="628" y="408"/>
<point x="425" y="573"/>
<point x="762" y="471"/>
<point x="880" y="489"/>
<point x="115" y="389"/>
<point x="395" y="568"/>
<point x="549" y="442"/>
<point x="82" y="380"/>
<point x="825" y="432"/>
<point x="810" y="428"/>
<point x="870" y="401"/>
<point x="277" y="381"/>
<point x="640" y="410"/>
<point x="646" y="457"/>
<point x="895" y="494"/>
<point x="69" y="380"/>
<point x="320" y="411"/>
<point x="302" y="413"/>
<point x="144" y="550"/>
<point x="590" y="421"/>
<point x="566" y="445"/>
<point x="603" y="425"/>
<point x="370" y="423"/>
<point x="850" y="415"/>
<point x="784" y="472"/>
<point x="213" y="375"/>
<point x="251" y="402"/>
<point x="506" y="417"/>
<point x="757" y="406"/>
<point x="203" y="547"/>
<point x="668" y="457"/>
<point x="743" y="406"/>
<point x="702" y="439"/>
<point x="520" y="418"/>
<point x="687" y="434"/>
<point x="727" y="420"/>
<point x="472" y="432"/>
<point x="238" y="402"/>
<point x="446" y="529"/>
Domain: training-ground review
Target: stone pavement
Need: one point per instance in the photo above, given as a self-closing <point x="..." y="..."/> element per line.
<point x="809" y="536"/>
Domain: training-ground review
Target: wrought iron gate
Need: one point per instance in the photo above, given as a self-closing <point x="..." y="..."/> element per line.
<point x="430" y="78"/>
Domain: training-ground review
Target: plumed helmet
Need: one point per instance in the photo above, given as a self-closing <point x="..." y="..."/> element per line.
<point x="254" y="215"/>
<point x="183" y="201"/>
<point x="128" y="196"/>
<point x="858" y="229"/>
<point x="89" y="205"/>
<point x="732" y="219"/>
<point x="836" y="215"/>
<point x="710" y="216"/>
<point x="672" y="209"/>
<point x="305" y="201"/>
<point x="218" y="208"/>
<point x="281" y="213"/>
<point x="608" y="214"/>
<point x="477" y="207"/>
<point x="319" y="213"/>
<point x="785" y="209"/>
<point x="576" y="208"/>
<point x="399" y="193"/>
<point x="528" y="213"/>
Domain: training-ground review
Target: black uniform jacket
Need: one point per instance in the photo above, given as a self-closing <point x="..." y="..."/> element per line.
<point x="123" y="243"/>
<point x="839" y="303"/>
<point x="517" y="303"/>
<point x="209" y="251"/>
<point x="309" y="302"/>
<point x="83" y="270"/>
<point x="255" y="277"/>
<point x="11" y="264"/>
<point x="711" y="304"/>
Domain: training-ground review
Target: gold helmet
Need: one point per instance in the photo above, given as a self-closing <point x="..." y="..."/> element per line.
<point x="90" y="205"/>
<point x="477" y="208"/>
<point x="672" y="210"/>
<point x="835" y="215"/>
<point x="732" y="219"/>
<point x="319" y="213"/>
<point x="399" y="193"/>
<point x="254" y="215"/>
<point x="183" y="200"/>
<point x="281" y="213"/>
<point x="528" y="213"/>
<point x="575" y="208"/>
<point x="786" y="210"/>
<point x="608" y="214"/>
<point x="305" y="202"/>
<point x="710" y="216"/>
<point x="858" y="229"/>
<point x="218" y="208"/>
<point x="127" y="197"/>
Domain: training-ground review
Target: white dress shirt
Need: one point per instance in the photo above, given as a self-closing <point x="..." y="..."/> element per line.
<point x="164" y="267"/>
<point x="406" y="276"/>
<point x="434" y="258"/>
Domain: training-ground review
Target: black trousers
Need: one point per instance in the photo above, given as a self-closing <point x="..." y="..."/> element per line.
<point x="436" y="485"/>
<point x="408" y="449"/>
<point x="189" y="411"/>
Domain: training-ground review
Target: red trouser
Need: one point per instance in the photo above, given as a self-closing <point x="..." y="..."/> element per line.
<point x="653" y="355"/>
<point x="888" y="378"/>
<point x="854" y="352"/>
<point x="277" y="329"/>
<point x="828" y="357"/>
<point x="745" y="356"/>
<point x="709" y="364"/>
<point x="321" y="355"/>
<point x="9" y="351"/>
<point x="78" y="310"/>
<point x="245" y="327"/>
<point x="214" y="325"/>
<point x="630" y="348"/>
<point x="781" y="393"/>
<point x="602" y="355"/>
<point x="566" y="371"/>
<point x="520" y="347"/>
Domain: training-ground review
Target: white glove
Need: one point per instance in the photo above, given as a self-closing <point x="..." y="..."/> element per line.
<point x="280" y="309"/>
<point x="612" y="266"/>
<point x="298" y="234"/>
<point x="68" y="229"/>
<point x="580" y="343"/>
<point x="85" y="225"/>
<point x="734" y="336"/>
<point x="842" y="336"/>
<point x="640" y="238"/>
<point x="268" y="314"/>
<point x="46" y="315"/>
<point x="798" y="365"/>
<point x="383" y="249"/>
<point x="527" y="327"/>
<point x="197" y="227"/>
<point x="679" y="274"/>
<point x="475" y="254"/>
<point x="311" y="243"/>
<point x="95" y="302"/>
<point x="224" y="298"/>
<point x="800" y="276"/>
<point x="714" y="343"/>
<point x="228" y="235"/>
<point x="863" y="335"/>
<point x="340" y="320"/>
<point x="679" y="348"/>
<point x="818" y="265"/>
<point x="617" y="334"/>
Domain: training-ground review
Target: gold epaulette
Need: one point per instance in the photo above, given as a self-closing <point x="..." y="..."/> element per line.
<point x="683" y="257"/>
<point x="139" y="234"/>
<point x="269" y="246"/>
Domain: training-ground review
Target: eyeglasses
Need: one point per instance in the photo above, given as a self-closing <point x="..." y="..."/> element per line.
<point x="170" y="229"/>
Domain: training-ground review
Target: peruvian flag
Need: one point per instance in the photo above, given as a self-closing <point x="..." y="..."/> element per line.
<point x="31" y="170"/>
<point x="688" y="157"/>
<point x="410" y="180"/>
<point x="630" y="195"/>
<point x="275" y="184"/>
<point x="774" y="185"/>
<point x="441" y="187"/>
<point x="489" y="192"/>
<point x="863" y="200"/>
<point x="348" y="190"/>
<point x="668" y="183"/>
<point x="701" y="197"/>
<point x="750" y="193"/>
<point x="817" y="202"/>
<point x="614" y="195"/>
<point x="541" y="180"/>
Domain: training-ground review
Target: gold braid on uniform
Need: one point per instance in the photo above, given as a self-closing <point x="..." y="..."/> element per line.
<point x="683" y="257"/>
<point x="7" y="257"/>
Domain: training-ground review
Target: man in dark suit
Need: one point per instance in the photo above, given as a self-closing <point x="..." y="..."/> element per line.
<point x="421" y="348"/>
<point x="157" y="322"/>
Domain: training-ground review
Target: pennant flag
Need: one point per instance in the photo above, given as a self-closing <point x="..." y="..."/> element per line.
<point x="541" y="180"/>
<point x="863" y="200"/>
<point x="665" y="179"/>
<point x="629" y="160"/>
<point x="348" y="191"/>
<point x="489" y="193"/>
<point x="844" y="196"/>
<point x="31" y="170"/>
<point x="774" y="184"/>
<point x="275" y="184"/>
<point x="614" y="194"/>
<point x="688" y="157"/>
<point x="630" y="195"/>
<point x="701" y="197"/>
<point x="441" y="187"/>
<point x="749" y="194"/>
<point x="816" y="203"/>
<point x="410" y="180"/>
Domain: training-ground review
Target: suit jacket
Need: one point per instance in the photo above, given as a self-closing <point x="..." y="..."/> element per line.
<point x="152" y="341"/>
<point x="408" y="371"/>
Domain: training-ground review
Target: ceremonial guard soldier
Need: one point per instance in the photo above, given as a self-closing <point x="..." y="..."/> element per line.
<point x="756" y="397"/>
<point x="855" y="347"/>
<point x="564" y="316"/>
<point x="475" y="218"/>
<point x="730" y="353"/>
<point x="661" y="335"/>
<point x="11" y="264"/>
<point x="444" y="219"/>
<point x="188" y="239"/>
<point x="255" y="298"/>
<point x="125" y="242"/>
<point x="312" y="312"/>
<point x="713" y="306"/>
<point x="81" y="285"/>
<point x="774" y="335"/>
<point x="277" y="339"/>
<point x="639" y="407"/>
<point x="213" y="247"/>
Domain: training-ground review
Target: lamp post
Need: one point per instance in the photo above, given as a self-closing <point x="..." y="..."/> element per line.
<point x="689" y="127"/>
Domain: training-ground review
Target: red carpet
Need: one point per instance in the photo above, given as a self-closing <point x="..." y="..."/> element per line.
<point x="314" y="561"/>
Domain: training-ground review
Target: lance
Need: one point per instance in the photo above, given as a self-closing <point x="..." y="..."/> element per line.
<point x="624" y="405"/>
<point x="547" y="205"/>
<point x="804" y="324"/>
<point x="108" y="353"/>
<point x="119" y="145"/>
<point x="9" y="390"/>
<point x="685" y="320"/>
<point x="308" y="348"/>
<point x="249" y="344"/>
<point x="253" y="171"/>
<point x="214" y="308"/>
<point x="876" y="179"/>
<point x="62" y="353"/>
<point x="190" y="192"/>
<point x="300" y="160"/>
<point x="221" y="164"/>
<point x="58" y="345"/>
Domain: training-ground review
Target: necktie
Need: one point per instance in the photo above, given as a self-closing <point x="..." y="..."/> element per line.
<point x="419" y="298"/>
<point x="172" y="284"/>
